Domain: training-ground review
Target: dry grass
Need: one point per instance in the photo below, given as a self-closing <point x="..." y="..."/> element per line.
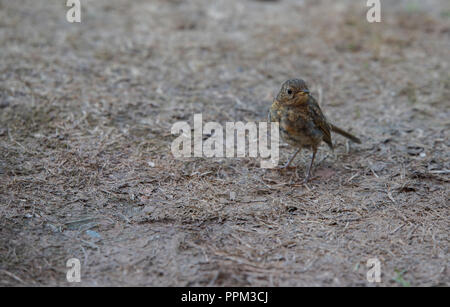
<point x="85" y="107"/>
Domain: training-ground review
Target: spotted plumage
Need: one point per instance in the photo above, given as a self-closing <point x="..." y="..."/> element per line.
<point x="302" y="123"/>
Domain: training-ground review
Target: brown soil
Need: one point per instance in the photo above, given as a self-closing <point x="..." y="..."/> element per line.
<point x="86" y="170"/>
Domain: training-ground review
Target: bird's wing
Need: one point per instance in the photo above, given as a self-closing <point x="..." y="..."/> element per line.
<point x="320" y="120"/>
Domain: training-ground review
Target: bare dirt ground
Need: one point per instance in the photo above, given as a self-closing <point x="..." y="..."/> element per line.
<point x="86" y="171"/>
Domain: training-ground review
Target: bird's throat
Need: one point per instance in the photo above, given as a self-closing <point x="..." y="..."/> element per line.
<point x="299" y="100"/>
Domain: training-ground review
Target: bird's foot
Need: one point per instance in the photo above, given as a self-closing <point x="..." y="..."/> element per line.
<point x="306" y="180"/>
<point x="307" y="177"/>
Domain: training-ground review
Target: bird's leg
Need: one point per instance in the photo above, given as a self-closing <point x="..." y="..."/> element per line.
<point x="308" y="173"/>
<point x="291" y="159"/>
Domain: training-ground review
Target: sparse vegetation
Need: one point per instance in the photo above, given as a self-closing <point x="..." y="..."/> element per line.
<point x="86" y="171"/>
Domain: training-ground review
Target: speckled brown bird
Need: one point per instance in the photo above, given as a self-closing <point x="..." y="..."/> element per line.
<point x="302" y="123"/>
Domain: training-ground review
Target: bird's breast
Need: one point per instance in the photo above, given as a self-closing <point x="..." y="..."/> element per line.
<point x="295" y="127"/>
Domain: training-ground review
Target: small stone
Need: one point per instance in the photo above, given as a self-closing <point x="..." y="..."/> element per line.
<point x="53" y="228"/>
<point x="232" y="196"/>
<point x="93" y="234"/>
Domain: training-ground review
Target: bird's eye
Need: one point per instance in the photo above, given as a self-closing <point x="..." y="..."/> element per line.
<point x="289" y="91"/>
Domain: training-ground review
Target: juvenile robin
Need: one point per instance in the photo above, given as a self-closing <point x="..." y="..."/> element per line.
<point x="302" y="123"/>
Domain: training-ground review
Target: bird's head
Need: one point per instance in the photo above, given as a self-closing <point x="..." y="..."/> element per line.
<point x="293" y="91"/>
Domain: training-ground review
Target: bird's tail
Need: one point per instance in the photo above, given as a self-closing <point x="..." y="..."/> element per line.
<point x="345" y="133"/>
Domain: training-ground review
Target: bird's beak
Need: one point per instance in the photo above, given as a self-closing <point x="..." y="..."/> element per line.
<point x="303" y="92"/>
